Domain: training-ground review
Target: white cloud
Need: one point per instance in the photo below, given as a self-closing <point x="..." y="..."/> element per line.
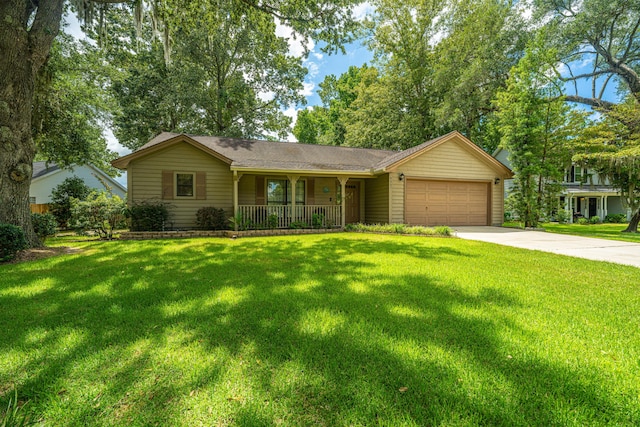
<point x="297" y="44"/>
<point x="313" y="68"/>
<point x="307" y="88"/>
<point x="363" y="10"/>
<point x="266" y="96"/>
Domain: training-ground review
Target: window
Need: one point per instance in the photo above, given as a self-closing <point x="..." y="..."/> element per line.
<point x="32" y="200"/>
<point x="571" y="174"/>
<point x="279" y="192"/>
<point x="185" y="184"/>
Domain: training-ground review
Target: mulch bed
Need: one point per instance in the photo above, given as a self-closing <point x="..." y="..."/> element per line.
<point x="34" y="254"/>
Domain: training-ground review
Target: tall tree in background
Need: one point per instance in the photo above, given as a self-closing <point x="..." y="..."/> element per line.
<point x="536" y="127"/>
<point x="440" y="63"/>
<point x="230" y="78"/>
<point x="26" y="36"/>
<point x="611" y="146"/>
<point x="71" y="106"/>
<point x="596" y="41"/>
<point x="325" y="124"/>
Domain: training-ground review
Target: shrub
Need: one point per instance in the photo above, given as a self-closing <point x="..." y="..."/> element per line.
<point x="583" y="221"/>
<point x="272" y="221"/>
<point x="210" y="218"/>
<point x="298" y="224"/>
<point x="442" y="230"/>
<point x="12" y="240"/>
<point x="44" y="225"/>
<point x="148" y="216"/>
<point x="594" y="219"/>
<point x="616" y="218"/>
<point x="317" y="220"/>
<point x="61" y="196"/>
<point x="240" y="223"/>
<point x="563" y="216"/>
<point x="99" y="213"/>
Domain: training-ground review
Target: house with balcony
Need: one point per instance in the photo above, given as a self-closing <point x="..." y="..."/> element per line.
<point x="584" y="193"/>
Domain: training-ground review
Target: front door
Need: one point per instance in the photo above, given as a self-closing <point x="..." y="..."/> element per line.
<point x="593" y="209"/>
<point x="352" y="202"/>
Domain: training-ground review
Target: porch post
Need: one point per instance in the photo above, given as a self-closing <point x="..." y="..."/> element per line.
<point x="294" y="180"/>
<point x="570" y="209"/>
<point x="236" y="178"/>
<point x="605" y="210"/>
<point x="343" y="192"/>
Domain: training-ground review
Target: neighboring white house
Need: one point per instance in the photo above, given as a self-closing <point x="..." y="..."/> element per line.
<point x="584" y="194"/>
<point x="48" y="176"/>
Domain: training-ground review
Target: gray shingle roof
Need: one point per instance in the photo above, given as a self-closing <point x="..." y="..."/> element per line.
<point x="247" y="153"/>
<point x="41" y="168"/>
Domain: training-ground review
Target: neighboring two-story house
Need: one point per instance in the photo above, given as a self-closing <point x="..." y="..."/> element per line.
<point x="585" y="193"/>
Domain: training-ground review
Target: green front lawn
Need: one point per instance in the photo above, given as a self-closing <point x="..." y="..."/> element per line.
<point x="601" y="231"/>
<point x="339" y="329"/>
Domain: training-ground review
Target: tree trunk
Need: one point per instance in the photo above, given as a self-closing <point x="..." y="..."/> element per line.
<point x="25" y="41"/>
<point x="633" y="224"/>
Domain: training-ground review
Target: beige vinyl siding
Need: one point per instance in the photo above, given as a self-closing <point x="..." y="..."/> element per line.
<point x="450" y="160"/>
<point x="322" y="198"/>
<point x="146" y="181"/>
<point x="247" y="190"/>
<point x="377" y="200"/>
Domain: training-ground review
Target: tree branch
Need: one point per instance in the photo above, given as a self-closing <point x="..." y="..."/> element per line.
<point x="594" y="102"/>
<point x="44" y="29"/>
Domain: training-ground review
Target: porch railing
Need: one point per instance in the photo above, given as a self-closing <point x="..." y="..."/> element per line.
<point x="280" y="216"/>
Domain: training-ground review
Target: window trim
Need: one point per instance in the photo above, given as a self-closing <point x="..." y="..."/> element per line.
<point x="193" y="185"/>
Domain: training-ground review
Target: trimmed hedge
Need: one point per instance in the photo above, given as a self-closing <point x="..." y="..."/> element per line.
<point x="12" y="240"/>
<point x="148" y="216"/>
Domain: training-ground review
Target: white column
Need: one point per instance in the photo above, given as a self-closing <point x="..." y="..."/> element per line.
<point x="605" y="207"/>
<point x="293" y="179"/>
<point x="343" y="192"/>
<point x="236" y="178"/>
<point x="570" y="209"/>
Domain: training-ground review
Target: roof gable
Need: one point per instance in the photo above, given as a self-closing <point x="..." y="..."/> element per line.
<point x="402" y="157"/>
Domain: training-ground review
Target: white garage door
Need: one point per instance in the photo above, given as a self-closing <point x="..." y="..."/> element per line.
<point x="446" y="202"/>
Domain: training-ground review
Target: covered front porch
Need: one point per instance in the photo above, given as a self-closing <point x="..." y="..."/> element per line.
<point x="272" y="200"/>
<point x="588" y="203"/>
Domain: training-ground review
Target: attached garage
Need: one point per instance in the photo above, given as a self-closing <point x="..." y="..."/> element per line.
<point x="439" y="202"/>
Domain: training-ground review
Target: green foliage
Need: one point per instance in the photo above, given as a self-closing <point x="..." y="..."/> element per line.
<point x="611" y="146"/>
<point x="210" y="218"/>
<point x="582" y="221"/>
<point x="148" y="216"/>
<point x="240" y="223"/>
<point x="317" y="220"/>
<point x="594" y="219"/>
<point x="615" y="218"/>
<point x="272" y="221"/>
<point x="44" y="225"/>
<point x="442" y="230"/>
<point x="98" y="213"/>
<point x="536" y="131"/>
<point x="220" y="65"/>
<point x="326" y="124"/>
<point x="601" y="33"/>
<point x="12" y="240"/>
<point x="61" y="195"/>
<point x="298" y="225"/>
<point x="71" y="105"/>
<point x="14" y="415"/>
<point x="563" y="216"/>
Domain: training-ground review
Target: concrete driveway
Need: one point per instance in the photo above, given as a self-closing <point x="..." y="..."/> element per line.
<point x="582" y="247"/>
